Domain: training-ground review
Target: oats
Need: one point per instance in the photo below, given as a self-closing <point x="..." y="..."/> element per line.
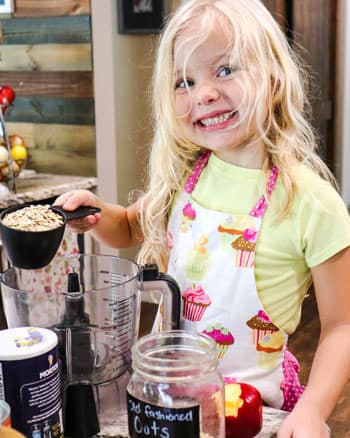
<point x="33" y="218"/>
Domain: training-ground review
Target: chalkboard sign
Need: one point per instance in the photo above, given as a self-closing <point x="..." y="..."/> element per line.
<point x="147" y="420"/>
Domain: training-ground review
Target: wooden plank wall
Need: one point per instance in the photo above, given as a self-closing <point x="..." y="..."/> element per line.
<point x="314" y="28"/>
<point x="311" y="28"/>
<point x="45" y="56"/>
<point x="278" y="8"/>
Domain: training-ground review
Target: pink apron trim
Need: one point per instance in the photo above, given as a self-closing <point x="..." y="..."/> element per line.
<point x="259" y="208"/>
<point x="196" y="172"/>
<point x="292" y="389"/>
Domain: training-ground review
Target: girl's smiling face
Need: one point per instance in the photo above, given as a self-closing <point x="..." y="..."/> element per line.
<point x="212" y="100"/>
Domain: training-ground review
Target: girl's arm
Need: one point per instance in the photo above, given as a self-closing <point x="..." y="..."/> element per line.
<point x="115" y="226"/>
<point x="330" y="370"/>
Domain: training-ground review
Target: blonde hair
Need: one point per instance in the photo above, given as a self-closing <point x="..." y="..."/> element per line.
<point x="258" y="46"/>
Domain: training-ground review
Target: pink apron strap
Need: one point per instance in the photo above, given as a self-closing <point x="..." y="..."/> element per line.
<point x="196" y="172"/>
<point x="292" y="389"/>
<point x="260" y="207"/>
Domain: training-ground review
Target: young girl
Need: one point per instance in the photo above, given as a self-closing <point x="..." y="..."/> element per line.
<point x="239" y="208"/>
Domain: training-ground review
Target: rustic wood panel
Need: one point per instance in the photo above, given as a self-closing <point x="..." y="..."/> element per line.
<point x="53" y="110"/>
<point x="278" y="8"/>
<point x="48" y="57"/>
<point x="46" y="30"/>
<point x="312" y="30"/>
<point x="54" y="84"/>
<point x="45" y="56"/>
<point x="76" y="138"/>
<point x="44" y="8"/>
<point x="58" y="149"/>
<point x="61" y="162"/>
<point x="310" y="25"/>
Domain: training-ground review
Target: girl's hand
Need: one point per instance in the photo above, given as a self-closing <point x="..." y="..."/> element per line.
<point x="304" y="423"/>
<point x="70" y="201"/>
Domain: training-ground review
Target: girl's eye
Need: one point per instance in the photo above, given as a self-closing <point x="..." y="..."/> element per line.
<point x="184" y="83"/>
<point x="225" y="71"/>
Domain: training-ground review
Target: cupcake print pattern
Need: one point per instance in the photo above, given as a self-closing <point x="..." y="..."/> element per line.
<point x="188" y="216"/>
<point x="245" y="248"/>
<point x="195" y="301"/>
<point x="232" y="228"/>
<point x="222" y="337"/>
<point x="261" y="325"/>
<point x="197" y="260"/>
<point x="269" y="347"/>
<point x="268" y="339"/>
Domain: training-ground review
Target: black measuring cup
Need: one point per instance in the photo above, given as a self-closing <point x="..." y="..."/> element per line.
<point x="36" y="249"/>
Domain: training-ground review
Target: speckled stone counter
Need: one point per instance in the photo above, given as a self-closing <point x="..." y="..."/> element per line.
<point x="41" y="186"/>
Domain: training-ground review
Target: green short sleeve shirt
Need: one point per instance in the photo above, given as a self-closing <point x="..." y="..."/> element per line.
<point x="317" y="227"/>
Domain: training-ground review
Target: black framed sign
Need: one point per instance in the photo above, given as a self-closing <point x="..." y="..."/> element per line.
<point x="141" y="16"/>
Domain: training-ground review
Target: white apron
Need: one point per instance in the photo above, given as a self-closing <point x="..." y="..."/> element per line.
<point x="212" y="258"/>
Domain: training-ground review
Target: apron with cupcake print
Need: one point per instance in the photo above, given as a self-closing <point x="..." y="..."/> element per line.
<point x="212" y="257"/>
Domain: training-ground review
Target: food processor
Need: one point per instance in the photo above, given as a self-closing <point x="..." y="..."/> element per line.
<point x="93" y="304"/>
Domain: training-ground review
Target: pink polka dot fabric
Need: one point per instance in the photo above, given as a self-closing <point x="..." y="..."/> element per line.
<point x="197" y="170"/>
<point x="292" y="389"/>
<point x="260" y="207"/>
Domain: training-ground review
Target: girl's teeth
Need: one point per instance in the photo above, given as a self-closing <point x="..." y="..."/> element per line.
<point x="216" y="120"/>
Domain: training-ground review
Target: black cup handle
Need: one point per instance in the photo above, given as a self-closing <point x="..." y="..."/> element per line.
<point x="150" y="272"/>
<point x="82" y="211"/>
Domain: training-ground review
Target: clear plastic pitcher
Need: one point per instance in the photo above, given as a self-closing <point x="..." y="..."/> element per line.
<point x="93" y="304"/>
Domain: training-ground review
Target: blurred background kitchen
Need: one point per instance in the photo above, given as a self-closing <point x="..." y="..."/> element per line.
<point x="81" y="72"/>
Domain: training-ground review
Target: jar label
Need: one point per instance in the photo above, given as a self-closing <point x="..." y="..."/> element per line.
<point x="147" y="420"/>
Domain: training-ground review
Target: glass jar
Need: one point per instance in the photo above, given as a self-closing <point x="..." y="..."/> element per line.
<point x="175" y="389"/>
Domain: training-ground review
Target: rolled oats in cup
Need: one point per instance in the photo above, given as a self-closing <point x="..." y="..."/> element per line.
<point x="33" y="218"/>
<point x="31" y="234"/>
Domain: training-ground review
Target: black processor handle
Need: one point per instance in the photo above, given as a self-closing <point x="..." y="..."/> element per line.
<point x="149" y="273"/>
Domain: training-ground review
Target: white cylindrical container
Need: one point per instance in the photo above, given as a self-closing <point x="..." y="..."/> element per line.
<point x="175" y="389"/>
<point x="30" y="381"/>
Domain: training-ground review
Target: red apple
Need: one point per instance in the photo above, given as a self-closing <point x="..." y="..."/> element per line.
<point x="243" y="410"/>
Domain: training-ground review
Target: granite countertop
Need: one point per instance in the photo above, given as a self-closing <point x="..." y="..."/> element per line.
<point x="41" y="186"/>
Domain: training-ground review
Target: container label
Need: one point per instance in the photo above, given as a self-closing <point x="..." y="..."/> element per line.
<point x="32" y="388"/>
<point x="147" y="420"/>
